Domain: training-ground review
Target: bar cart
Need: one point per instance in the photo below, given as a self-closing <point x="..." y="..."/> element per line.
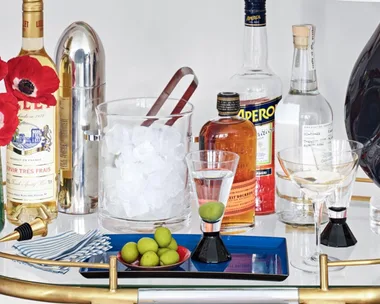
<point x="360" y="284"/>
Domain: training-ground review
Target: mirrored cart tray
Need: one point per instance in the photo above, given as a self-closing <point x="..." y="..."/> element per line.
<point x="253" y="258"/>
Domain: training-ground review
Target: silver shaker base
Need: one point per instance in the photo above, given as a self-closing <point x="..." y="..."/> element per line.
<point x="70" y="202"/>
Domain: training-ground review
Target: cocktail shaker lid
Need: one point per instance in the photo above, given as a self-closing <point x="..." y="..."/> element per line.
<point x="80" y="44"/>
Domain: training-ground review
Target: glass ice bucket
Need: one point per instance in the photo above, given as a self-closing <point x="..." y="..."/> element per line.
<point x="143" y="178"/>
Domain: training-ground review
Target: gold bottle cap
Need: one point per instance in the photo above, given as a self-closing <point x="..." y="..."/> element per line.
<point x="32" y="5"/>
<point x="303" y="35"/>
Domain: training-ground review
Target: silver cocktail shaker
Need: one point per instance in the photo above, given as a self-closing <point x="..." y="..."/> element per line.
<point x="80" y="64"/>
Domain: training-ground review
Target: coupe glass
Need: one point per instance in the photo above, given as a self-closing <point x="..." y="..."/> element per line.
<point x="318" y="172"/>
<point x="211" y="173"/>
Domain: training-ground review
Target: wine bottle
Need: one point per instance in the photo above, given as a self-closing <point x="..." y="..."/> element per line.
<point x="260" y="91"/>
<point x="32" y="155"/>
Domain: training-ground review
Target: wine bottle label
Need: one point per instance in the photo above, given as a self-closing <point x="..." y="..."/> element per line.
<point x="317" y="135"/>
<point x="262" y="114"/>
<point x="31" y="156"/>
<point x="32" y="25"/>
<point x="255" y="18"/>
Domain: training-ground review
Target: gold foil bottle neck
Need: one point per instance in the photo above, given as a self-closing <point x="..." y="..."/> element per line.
<point x="301" y="35"/>
<point x="32" y="19"/>
<point x="32" y="5"/>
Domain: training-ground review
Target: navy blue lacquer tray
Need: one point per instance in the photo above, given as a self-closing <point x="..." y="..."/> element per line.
<point x="253" y="258"/>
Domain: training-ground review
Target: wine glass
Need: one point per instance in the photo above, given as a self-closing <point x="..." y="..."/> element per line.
<point x="318" y="172"/>
<point x="211" y="173"/>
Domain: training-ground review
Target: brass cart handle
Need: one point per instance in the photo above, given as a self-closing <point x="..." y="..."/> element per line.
<point x="97" y="294"/>
<point x="91" y="295"/>
<point x="339" y="295"/>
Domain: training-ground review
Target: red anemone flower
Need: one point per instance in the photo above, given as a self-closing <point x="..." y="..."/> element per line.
<point x="3" y="69"/>
<point x="28" y="80"/>
<point x="8" y="117"/>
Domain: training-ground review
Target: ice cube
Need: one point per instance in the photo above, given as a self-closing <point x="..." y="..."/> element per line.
<point x="155" y="179"/>
<point x="144" y="151"/>
<point x="119" y="162"/>
<point x="155" y="198"/>
<point x="139" y="134"/>
<point x="127" y="153"/>
<point x="110" y="174"/>
<point x="153" y="164"/>
<point x="179" y="152"/>
<point x="106" y="157"/>
<point x="181" y="168"/>
<point x="154" y="135"/>
<point x="133" y="178"/>
<point x="174" y="184"/>
<point x="115" y="138"/>
<point x="178" y="203"/>
<point x="136" y="206"/>
<point x="170" y="138"/>
<point x="116" y="209"/>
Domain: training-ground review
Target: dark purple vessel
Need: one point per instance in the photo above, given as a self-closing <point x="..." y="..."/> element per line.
<point x="362" y="107"/>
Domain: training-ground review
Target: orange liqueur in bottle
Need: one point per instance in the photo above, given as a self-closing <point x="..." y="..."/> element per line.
<point x="229" y="132"/>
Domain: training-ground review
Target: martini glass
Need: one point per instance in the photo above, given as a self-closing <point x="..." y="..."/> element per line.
<point x="211" y="173"/>
<point x="337" y="233"/>
<point x="318" y="172"/>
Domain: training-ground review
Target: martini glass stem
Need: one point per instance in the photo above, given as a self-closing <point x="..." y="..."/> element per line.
<point x="318" y="211"/>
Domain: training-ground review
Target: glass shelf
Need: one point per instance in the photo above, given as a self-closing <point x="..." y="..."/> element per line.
<point x="298" y="239"/>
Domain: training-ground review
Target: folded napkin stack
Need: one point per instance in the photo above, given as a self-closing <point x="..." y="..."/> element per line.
<point x="68" y="246"/>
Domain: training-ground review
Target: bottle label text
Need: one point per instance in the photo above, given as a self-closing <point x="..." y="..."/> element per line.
<point x="31" y="155"/>
<point x="255" y="18"/>
<point x="262" y="115"/>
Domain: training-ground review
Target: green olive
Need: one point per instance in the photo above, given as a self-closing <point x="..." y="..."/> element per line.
<point x="149" y="259"/>
<point x="211" y="212"/>
<point x="147" y="244"/>
<point x="161" y="251"/>
<point x="163" y="236"/>
<point x="129" y="252"/>
<point x="173" y="244"/>
<point x="170" y="257"/>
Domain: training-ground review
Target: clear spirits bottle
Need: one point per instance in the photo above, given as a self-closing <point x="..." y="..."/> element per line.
<point x="32" y="156"/>
<point x="303" y="118"/>
<point x="229" y="132"/>
<point x="260" y="90"/>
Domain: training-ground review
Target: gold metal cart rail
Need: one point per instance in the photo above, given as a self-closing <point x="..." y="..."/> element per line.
<point x="113" y="295"/>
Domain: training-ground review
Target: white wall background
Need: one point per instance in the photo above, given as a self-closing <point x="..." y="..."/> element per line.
<point x="146" y="41"/>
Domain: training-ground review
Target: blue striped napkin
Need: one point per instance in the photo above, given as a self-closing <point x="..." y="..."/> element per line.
<point x="68" y="246"/>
